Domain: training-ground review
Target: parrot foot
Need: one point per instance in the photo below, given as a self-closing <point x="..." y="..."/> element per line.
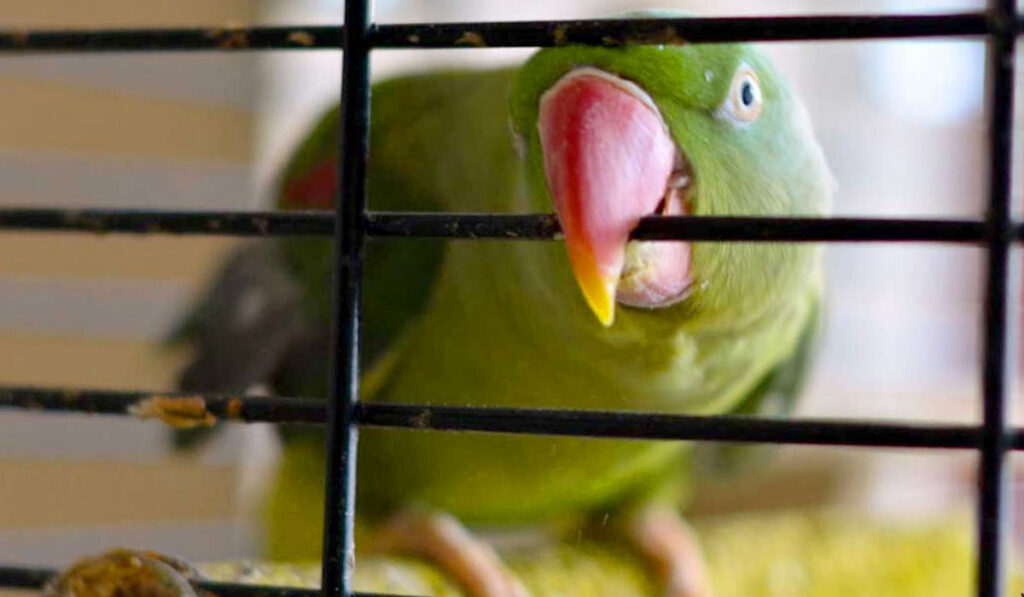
<point x="126" y="572"/>
<point x="442" y="540"/>
<point x="670" y="546"/>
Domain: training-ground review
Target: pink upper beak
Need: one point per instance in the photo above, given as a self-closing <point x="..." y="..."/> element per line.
<point x="608" y="159"/>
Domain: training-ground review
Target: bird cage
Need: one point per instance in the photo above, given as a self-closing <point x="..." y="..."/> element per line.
<point x="352" y="224"/>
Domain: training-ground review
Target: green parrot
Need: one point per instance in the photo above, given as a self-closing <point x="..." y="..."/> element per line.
<point x="603" y="137"/>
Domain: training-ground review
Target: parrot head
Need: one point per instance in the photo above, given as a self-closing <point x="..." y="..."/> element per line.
<point x="613" y="135"/>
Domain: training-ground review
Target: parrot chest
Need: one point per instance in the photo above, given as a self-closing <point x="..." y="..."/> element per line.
<point x="482" y="345"/>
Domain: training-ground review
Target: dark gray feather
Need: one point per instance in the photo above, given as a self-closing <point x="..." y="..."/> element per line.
<point x="246" y="325"/>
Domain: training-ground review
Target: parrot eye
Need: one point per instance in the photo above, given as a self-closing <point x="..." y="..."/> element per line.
<point x="744" y="102"/>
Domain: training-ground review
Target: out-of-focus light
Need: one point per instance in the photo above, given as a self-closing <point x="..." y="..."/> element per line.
<point x="930" y="82"/>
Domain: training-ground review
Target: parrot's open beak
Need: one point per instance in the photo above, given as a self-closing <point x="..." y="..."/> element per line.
<point x="609" y="161"/>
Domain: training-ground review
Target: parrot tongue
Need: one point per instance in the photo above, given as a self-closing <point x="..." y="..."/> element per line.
<point x="608" y="159"/>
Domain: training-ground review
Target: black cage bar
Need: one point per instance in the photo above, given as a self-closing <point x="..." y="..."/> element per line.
<point x="999" y="25"/>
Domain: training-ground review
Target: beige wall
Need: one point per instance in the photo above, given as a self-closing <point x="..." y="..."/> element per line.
<point x="164" y="131"/>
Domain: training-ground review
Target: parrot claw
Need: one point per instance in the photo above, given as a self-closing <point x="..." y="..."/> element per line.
<point x="126" y="572"/>
<point x="442" y="540"/>
<point x="670" y="547"/>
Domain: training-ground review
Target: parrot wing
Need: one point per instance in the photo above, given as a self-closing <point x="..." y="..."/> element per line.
<point x="263" y="319"/>
<point x="246" y="322"/>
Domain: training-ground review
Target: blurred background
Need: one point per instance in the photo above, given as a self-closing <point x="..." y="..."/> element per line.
<point x="902" y="123"/>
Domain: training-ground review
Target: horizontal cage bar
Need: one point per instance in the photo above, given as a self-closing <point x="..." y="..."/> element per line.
<point x="608" y="424"/>
<point x="652" y="426"/>
<point x="607" y="32"/>
<point x="235" y="223"/>
<point x="545" y="226"/>
<point x="24" y="577"/>
<point x="250" y="409"/>
<point x="29" y="577"/>
<point x="494" y="226"/>
<point x="221" y="589"/>
<point x="185" y="39"/>
<point x="617" y="32"/>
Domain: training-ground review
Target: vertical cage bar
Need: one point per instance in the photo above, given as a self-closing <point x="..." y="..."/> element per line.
<point x="992" y="485"/>
<point x="342" y="433"/>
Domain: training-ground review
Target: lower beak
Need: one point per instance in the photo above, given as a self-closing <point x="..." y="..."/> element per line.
<point x="607" y="158"/>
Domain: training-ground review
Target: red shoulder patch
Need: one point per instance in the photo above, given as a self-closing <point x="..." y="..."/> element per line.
<point x="314" y="189"/>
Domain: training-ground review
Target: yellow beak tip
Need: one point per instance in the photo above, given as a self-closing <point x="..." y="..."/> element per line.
<point x="605" y="315"/>
<point x="598" y="286"/>
<point x="600" y="296"/>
